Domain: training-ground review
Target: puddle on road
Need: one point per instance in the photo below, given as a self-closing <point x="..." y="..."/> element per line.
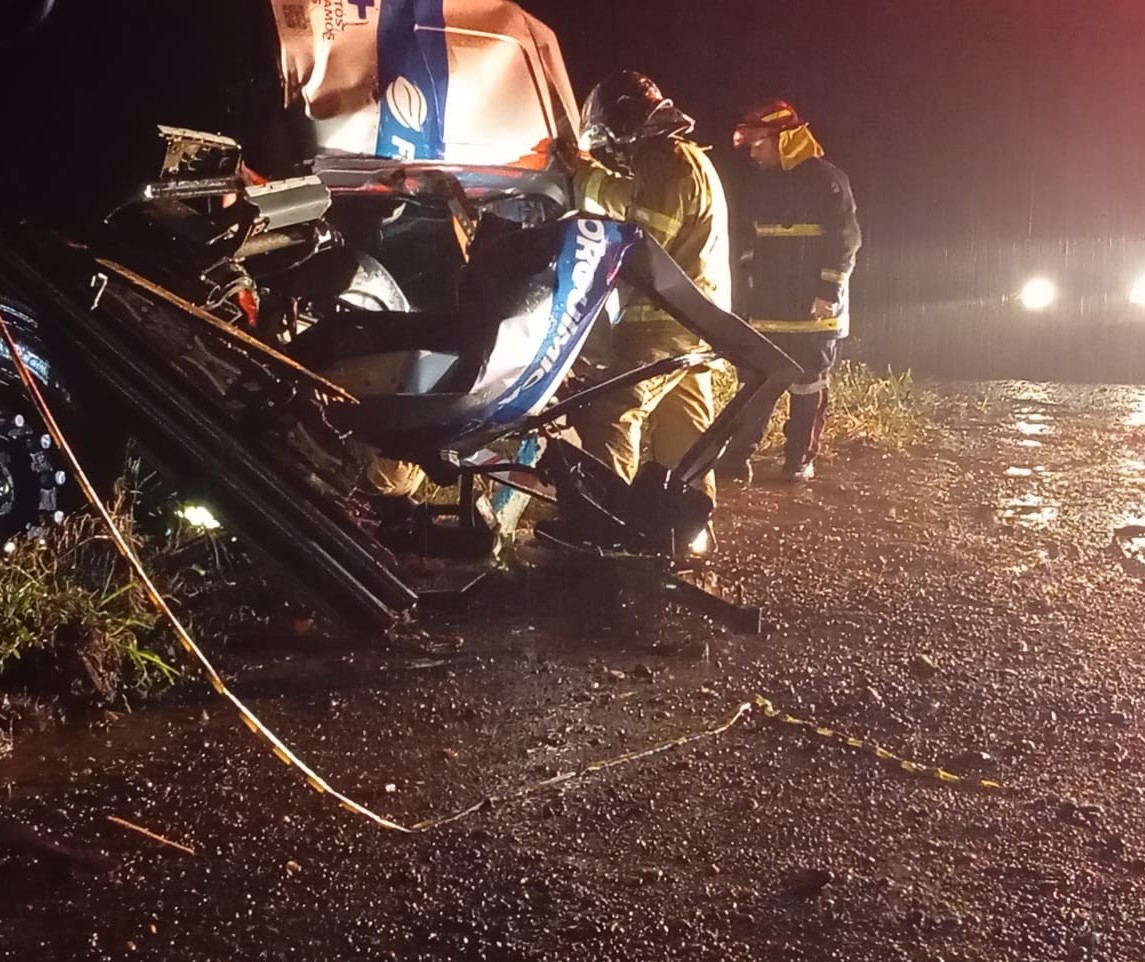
<point x="1033" y="428"/>
<point x="1029" y="511"/>
<point x="1130" y="538"/>
<point x="1042" y="495"/>
<point x="1030" y="425"/>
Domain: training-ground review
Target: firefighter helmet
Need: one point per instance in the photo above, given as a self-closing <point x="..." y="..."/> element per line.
<point x="769" y="117"/>
<point x="627" y="108"/>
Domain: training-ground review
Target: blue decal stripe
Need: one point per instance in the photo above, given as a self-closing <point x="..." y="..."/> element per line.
<point x="570" y="313"/>
<point x="413" y="80"/>
<point x="528" y="452"/>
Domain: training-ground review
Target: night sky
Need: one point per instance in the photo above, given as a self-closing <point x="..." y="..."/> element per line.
<point x="955" y="118"/>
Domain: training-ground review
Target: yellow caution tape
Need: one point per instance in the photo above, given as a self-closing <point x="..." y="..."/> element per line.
<point x="761" y="704"/>
<point x="913" y="768"/>
<point x="589" y="769"/>
<point x="249" y="718"/>
<point x="284" y="754"/>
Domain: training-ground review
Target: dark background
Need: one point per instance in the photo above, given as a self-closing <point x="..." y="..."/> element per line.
<point x="965" y="125"/>
<point x="962" y="118"/>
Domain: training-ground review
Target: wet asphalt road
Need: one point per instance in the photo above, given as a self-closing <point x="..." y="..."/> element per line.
<point x="976" y="603"/>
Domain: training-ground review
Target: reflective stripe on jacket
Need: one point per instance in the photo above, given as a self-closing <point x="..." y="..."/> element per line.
<point x="799" y="236"/>
<point x="675" y="194"/>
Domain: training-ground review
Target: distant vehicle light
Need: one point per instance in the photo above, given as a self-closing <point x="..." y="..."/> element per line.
<point x="1137" y="292"/>
<point x="1038" y="294"/>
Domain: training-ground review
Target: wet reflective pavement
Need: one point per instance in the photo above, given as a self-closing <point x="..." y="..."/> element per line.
<point x="975" y="603"/>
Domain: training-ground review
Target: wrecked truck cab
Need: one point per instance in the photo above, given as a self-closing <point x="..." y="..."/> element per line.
<point x="267" y="342"/>
<point x="428" y="116"/>
<point x="33" y="475"/>
<point x="155" y="315"/>
<point x="420" y="218"/>
<point x="519" y="311"/>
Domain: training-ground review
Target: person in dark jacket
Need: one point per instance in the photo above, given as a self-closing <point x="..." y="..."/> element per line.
<point x="798" y="239"/>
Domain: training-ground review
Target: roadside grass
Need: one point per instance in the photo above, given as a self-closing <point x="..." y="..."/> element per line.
<point x="886" y="409"/>
<point x="75" y="623"/>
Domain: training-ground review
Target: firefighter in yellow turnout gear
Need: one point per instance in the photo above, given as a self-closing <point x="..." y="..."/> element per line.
<point x="653" y="176"/>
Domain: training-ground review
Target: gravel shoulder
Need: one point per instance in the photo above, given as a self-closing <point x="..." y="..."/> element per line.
<point x="976" y="603"/>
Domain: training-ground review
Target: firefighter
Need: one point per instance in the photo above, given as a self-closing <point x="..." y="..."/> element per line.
<point x="651" y="174"/>
<point x="798" y="246"/>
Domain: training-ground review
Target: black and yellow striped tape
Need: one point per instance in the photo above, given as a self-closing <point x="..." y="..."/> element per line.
<point x="284" y="754"/>
<point x="882" y="754"/>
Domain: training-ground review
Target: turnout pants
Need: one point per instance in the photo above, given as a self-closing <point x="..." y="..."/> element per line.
<point x="667" y="413"/>
<point x="807" y="415"/>
<point x="395" y="479"/>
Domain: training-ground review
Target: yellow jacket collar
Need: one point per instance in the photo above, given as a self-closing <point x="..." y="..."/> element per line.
<point x="797" y="145"/>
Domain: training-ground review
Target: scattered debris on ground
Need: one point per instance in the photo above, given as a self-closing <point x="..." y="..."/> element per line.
<point x="906" y="605"/>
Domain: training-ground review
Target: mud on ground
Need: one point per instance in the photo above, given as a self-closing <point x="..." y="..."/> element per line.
<point x="977" y="603"/>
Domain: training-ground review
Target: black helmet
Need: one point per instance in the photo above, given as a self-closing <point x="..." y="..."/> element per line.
<point x="626" y="108"/>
